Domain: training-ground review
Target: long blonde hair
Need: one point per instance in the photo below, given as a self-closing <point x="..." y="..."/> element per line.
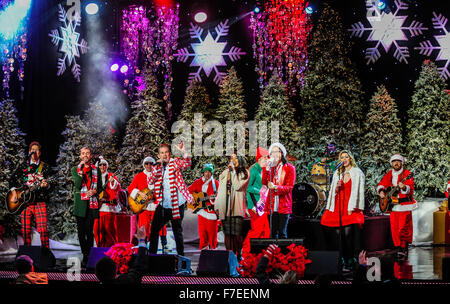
<point x="352" y="160"/>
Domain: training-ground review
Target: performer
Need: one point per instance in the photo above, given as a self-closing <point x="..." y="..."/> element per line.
<point x="207" y="218"/>
<point x="329" y="158"/>
<point x="279" y="177"/>
<point x="85" y="210"/>
<point x="260" y="227"/>
<point x="447" y="189"/>
<point x="32" y="172"/>
<point x="344" y="206"/>
<point x="138" y="184"/>
<point x="107" y="225"/>
<point x="170" y="195"/>
<point x="401" y="215"/>
<point x="231" y="202"/>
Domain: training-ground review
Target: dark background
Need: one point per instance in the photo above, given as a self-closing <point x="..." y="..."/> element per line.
<point x="47" y="98"/>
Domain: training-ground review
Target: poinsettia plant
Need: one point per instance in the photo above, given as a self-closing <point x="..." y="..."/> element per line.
<point x="294" y="260"/>
<point x="121" y="254"/>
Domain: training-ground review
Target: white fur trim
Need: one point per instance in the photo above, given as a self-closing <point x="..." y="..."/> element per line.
<point x="398" y="157"/>
<point x="357" y="192"/>
<point x="408" y="207"/>
<point x="406" y="191"/>
<point x="379" y="188"/>
<point x="148" y="158"/>
<point x="206" y="215"/>
<point x="280" y="146"/>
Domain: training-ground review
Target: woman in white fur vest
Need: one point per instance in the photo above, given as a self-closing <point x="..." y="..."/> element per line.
<point x="345" y="207"/>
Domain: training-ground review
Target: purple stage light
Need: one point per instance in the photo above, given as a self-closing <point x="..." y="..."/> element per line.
<point x="114" y="67"/>
<point x="200" y="17"/>
<point x="124" y="69"/>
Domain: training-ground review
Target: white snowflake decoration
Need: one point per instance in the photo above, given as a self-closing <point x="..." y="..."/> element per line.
<point x="426" y="48"/>
<point x="208" y="52"/>
<point x="387" y="30"/>
<point x="70" y="46"/>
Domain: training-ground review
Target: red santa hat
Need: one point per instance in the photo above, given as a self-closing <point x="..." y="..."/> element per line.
<point x="260" y="152"/>
<point x="101" y="161"/>
<point x="398" y="157"/>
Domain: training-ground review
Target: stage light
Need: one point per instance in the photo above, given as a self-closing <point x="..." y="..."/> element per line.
<point x="309" y="9"/>
<point x="114" y="67"/>
<point x="91" y="8"/>
<point x="381" y="5"/>
<point x="257" y="10"/>
<point x="124" y="69"/>
<point x="11" y="18"/>
<point x="200" y="17"/>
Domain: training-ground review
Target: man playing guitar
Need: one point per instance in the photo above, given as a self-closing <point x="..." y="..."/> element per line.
<point x="401" y="215"/>
<point x="207" y="218"/>
<point x="34" y="172"/>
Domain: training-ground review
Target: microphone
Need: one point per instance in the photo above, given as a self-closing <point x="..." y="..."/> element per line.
<point x="339" y="165"/>
<point x="270" y="162"/>
<point x="31" y="153"/>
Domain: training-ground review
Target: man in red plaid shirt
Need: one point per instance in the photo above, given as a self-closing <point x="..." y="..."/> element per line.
<point x="34" y="172"/>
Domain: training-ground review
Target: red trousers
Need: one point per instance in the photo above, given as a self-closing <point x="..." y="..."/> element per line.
<point x="145" y="218"/>
<point x="105" y="229"/>
<point x="259" y="229"/>
<point x="207" y="230"/>
<point x="39" y="210"/>
<point x="401" y="228"/>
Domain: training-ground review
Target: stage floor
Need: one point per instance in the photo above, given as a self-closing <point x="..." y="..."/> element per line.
<point x="424" y="263"/>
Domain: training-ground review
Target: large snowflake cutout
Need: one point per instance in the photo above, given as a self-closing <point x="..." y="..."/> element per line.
<point x="70" y="47"/>
<point x="386" y="29"/>
<point x="443" y="40"/>
<point x="209" y="53"/>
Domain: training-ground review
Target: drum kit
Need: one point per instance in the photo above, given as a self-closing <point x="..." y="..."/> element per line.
<point x="310" y="199"/>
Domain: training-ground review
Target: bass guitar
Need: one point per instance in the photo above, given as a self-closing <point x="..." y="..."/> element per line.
<point x="18" y="198"/>
<point x="138" y="204"/>
<point x="391" y="198"/>
<point x="200" y="202"/>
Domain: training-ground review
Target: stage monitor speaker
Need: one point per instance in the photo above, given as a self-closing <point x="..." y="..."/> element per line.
<point x="43" y="258"/>
<point x="168" y="264"/>
<point x="95" y="254"/>
<point x="257" y="245"/>
<point x="322" y="262"/>
<point x="446" y="268"/>
<point x="217" y="263"/>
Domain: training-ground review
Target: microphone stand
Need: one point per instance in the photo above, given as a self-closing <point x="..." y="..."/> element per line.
<point x="227" y="204"/>
<point x="340" y="227"/>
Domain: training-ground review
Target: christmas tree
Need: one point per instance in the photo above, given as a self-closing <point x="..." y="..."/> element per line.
<point x="332" y="98"/>
<point x="12" y="145"/>
<point x="428" y="133"/>
<point x="382" y="139"/>
<point x="275" y="106"/>
<point x="94" y="132"/>
<point x="145" y="131"/>
<point x="196" y="102"/>
<point x="231" y="108"/>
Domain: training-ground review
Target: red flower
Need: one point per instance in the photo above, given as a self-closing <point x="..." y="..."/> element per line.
<point x="121" y="254"/>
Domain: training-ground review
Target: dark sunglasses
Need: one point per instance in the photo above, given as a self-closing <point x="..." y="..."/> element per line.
<point x="102" y="165"/>
<point x="146" y="164"/>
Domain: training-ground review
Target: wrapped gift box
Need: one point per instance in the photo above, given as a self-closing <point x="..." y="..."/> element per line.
<point x="441" y="227"/>
<point x="126" y="227"/>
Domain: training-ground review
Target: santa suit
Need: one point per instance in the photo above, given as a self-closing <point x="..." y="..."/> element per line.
<point x="207" y="219"/>
<point x="145" y="218"/>
<point x="106" y="229"/>
<point x="447" y="189"/>
<point x="401" y="215"/>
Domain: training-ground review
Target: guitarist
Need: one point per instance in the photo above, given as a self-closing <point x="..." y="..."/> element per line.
<point x="401" y="215"/>
<point x="207" y="218"/>
<point x="28" y="174"/>
<point x="138" y="184"/>
<point x="107" y="226"/>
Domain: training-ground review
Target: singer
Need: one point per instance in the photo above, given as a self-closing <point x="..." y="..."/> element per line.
<point x="85" y="206"/>
<point x="170" y="194"/>
<point x="279" y="176"/>
<point x="344" y="207"/>
<point x="34" y="172"/>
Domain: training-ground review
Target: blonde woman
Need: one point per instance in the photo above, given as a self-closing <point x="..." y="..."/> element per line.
<point x="345" y="205"/>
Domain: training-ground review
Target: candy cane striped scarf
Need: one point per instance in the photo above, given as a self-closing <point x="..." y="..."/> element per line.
<point x="88" y="184"/>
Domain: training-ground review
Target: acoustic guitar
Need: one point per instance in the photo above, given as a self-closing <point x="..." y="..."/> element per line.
<point x="200" y="202"/>
<point x="139" y="204"/>
<point x="18" y="198"/>
<point x="391" y="198"/>
<point x="102" y="194"/>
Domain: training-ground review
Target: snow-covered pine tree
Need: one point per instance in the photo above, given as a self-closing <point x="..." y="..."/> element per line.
<point x="382" y="138"/>
<point x="428" y="133"/>
<point x="12" y="145"/>
<point x="332" y="98"/>
<point x="145" y="131"/>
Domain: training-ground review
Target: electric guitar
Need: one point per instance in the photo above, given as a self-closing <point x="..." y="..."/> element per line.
<point x="391" y="197"/>
<point x="18" y="198"/>
<point x="200" y="202"/>
<point x="138" y="204"/>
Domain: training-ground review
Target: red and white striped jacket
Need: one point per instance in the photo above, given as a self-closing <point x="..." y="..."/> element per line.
<point x="177" y="183"/>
